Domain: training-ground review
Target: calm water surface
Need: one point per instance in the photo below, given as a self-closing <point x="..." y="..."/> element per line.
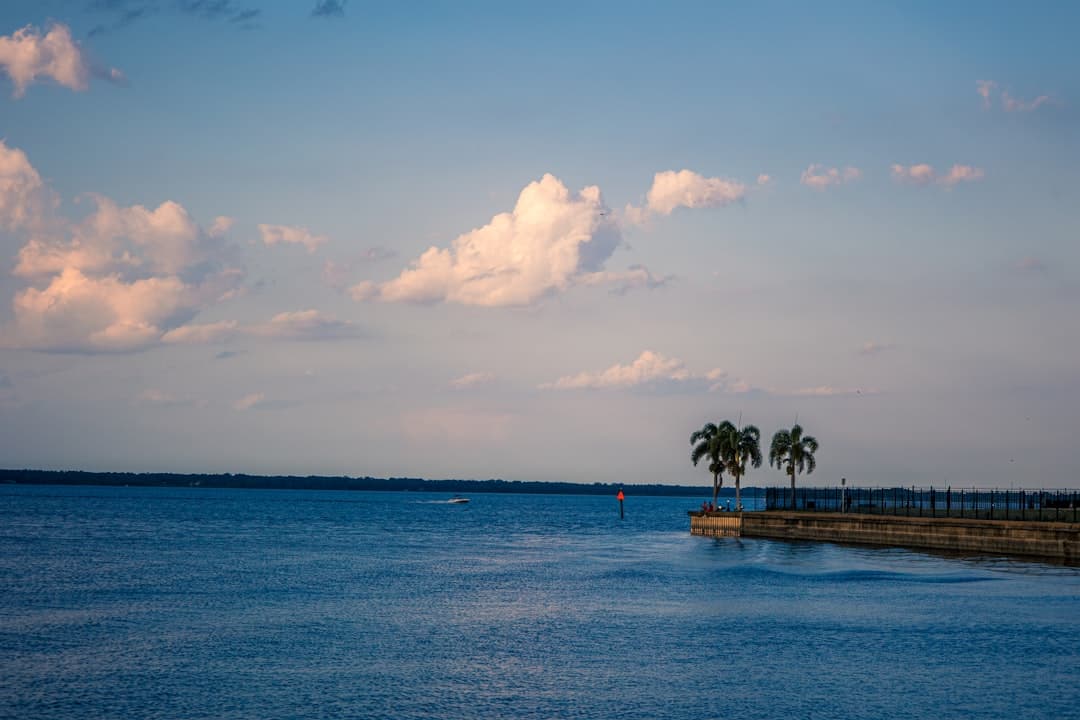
<point x="176" y="603"/>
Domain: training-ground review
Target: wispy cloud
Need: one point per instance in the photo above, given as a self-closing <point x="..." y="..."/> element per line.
<point x="635" y="277"/>
<point x="871" y="348"/>
<point x="819" y="176"/>
<point x="472" y="380"/>
<point x="987" y="88"/>
<point x="122" y="13"/>
<point x="923" y="174"/>
<point x="654" y="372"/>
<point x="651" y="370"/>
<point x="159" y="398"/>
<point x="329" y="9"/>
<point x="202" y="333"/>
<point x="1011" y="104"/>
<point x="338" y="274"/>
<point x="287" y="235"/>
<point x="304" y="325"/>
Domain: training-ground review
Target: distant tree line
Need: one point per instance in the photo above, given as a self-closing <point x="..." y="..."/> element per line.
<point x="317" y="482"/>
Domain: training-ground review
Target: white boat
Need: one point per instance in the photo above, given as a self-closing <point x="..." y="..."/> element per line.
<point x="457" y="500"/>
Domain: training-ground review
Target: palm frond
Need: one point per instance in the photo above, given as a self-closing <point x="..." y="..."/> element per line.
<point x="779" y="448"/>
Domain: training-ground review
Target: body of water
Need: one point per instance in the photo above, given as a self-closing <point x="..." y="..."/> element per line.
<point x="189" y="603"/>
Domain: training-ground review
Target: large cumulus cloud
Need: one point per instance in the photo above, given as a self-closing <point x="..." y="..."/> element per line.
<point x="115" y="281"/>
<point x="552" y="240"/>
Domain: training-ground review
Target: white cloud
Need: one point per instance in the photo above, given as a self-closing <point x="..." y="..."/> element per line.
<point x="655" y="371"/>
<point x="249" y="401"/>
<point x="202" y="333"/>
<point x="221" y="226"/>
<point x="685" y="188"/>
<point x="22" y="193"/>
<point x="871" y="348"/>
<point x="649" y="367"/>
<point x="635" y="277"/>
<point x="763" y="180"/>
<point x="672" y="190"/>
<point x="961" y="173"/>
<point x="164" y="240"/>
<point x="472" y="380"/>
<point x="720" y="381"/>
<point x="985" y="88"/>
<point x="79" y="313"/>
<point x="920" y="174"/>
<point x="286" y="235"/>
<point x="819" y="177"/>
<point x="549" y="242"/>
<point x="1011" y="104"/>
<point x="160" y="398"/>
<point x="299" y="325"/>
<point x="304" y="325"/>
<point x="652" y="369"/>
<point x="117" y="281"/>
<point x="923" y="174"/>
<point x="339" y="273"/>
<point x="27" y="55"/>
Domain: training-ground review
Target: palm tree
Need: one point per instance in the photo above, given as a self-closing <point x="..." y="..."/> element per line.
<point x="739" y="446"/>
<point x="706" y="442"/>
<point x="795" y="452"/>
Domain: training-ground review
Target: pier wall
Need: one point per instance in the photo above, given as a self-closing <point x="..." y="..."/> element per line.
<point x="1060" y="541"/>
<point x="722" y="524"/>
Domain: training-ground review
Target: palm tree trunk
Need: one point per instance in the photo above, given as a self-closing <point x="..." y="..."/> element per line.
<point x="792" y="473"/>
<point x="738" y="493"/>
<point x="715" y="487"/>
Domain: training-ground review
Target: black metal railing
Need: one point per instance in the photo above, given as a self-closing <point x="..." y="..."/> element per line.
<point x="975" y="503"/>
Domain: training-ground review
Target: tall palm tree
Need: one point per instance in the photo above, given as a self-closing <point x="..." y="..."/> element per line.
<point x="794" y="452"/>
<point x="706" y="443"/>
<point x="739" y="446"/>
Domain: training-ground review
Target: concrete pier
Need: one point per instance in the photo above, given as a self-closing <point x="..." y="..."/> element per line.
<point x="716" y="524"/>
<point x="1054" y="540"/>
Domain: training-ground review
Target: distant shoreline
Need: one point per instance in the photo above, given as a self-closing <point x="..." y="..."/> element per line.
<point x="321" y="482"/>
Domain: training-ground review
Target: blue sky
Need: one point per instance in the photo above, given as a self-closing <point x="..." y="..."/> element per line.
<point x="215" y="219"/>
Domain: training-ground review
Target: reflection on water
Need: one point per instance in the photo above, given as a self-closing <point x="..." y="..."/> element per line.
<point x="253" y="604"/>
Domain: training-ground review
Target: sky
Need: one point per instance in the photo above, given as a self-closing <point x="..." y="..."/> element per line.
<point x="540" y="242"/>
